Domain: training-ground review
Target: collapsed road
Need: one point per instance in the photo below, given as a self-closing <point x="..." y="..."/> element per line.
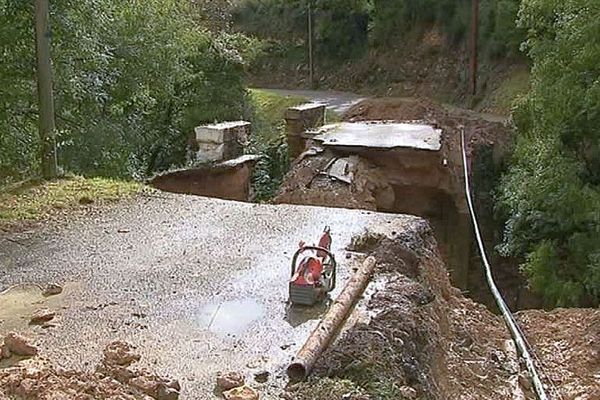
<point x="198" y="285"/>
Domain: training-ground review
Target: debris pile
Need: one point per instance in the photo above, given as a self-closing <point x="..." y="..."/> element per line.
<point x="36" y="378"/>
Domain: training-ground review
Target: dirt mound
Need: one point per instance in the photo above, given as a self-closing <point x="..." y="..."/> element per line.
<point x="393" y="109"/>
<point x="306" y="185"/>
<point x="567" y="342"/>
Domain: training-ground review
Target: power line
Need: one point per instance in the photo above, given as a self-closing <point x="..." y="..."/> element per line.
<point x="510" y="320"/>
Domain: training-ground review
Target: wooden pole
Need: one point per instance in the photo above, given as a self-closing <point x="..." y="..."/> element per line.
<point x="474" y="44"/>
<point x="310" y="46"/>
<point x="47" y="128"/>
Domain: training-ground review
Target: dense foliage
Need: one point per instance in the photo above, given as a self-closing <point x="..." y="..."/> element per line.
<point x="131" y="80"/>
<point x="552" y="193"/>
<point x="340" y="27"/>
<point x="345" y="28"/>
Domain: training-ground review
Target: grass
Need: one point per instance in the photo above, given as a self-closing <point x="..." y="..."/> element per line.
<point x="268" y="140"/>
<point x="516" y="85"/>
<point x="269" y="111"/>
<point x="35" y="200"/>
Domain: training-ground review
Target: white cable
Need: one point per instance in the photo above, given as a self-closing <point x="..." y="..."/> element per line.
<point x="506" y="313"/>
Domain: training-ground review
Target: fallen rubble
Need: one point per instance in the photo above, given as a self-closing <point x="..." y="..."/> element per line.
<point x="37" y="378"/>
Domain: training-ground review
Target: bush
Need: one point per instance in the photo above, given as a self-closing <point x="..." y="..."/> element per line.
<point x="130" y="84"/>
<point x="551" y="195"/>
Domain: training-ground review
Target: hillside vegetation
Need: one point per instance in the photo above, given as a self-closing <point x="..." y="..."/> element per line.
<point x="551" y="196"/>
<point x="131" y="80"/>
<point x="405" y="48"/>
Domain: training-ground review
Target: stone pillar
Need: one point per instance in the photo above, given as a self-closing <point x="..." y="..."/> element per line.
<point x="223" y="141"/>
<point x="300" y="119"/>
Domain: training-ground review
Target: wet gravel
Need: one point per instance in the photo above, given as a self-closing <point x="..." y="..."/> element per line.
<point x="199" y="285"/>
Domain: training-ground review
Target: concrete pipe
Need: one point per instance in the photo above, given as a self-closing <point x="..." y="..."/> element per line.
<point x="331" y="324"/>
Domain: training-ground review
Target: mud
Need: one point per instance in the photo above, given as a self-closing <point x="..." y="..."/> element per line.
<point x="567" y="344"/>
<point x="40" y="379"/>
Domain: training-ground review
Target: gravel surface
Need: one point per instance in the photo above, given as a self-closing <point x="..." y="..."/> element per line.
<point x="199" y="285"/>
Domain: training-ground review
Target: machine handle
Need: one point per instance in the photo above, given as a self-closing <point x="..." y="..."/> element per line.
<point x="317" y="248"/>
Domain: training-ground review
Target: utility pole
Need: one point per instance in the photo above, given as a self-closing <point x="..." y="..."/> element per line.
<point x="47" y="127"/>
<point x="311" y="65"/>
<point x="474" y="44"/>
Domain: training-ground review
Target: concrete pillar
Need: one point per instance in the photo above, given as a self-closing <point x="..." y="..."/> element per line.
<point x="223" y="141"/>
<point x="299" y="120"/>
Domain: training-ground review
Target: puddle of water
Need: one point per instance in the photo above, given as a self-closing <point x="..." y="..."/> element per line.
<point x="231" y="317"/>
<point x="18" y="304"/>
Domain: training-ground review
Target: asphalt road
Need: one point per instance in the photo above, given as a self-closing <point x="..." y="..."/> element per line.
<point x="200" y="285"/>
<point x="339" y="102"/>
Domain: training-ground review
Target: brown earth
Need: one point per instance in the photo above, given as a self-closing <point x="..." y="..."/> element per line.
<point x="567" y="342"/>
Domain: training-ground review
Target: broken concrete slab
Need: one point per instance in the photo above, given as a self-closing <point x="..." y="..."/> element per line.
<point x="229" y="180"/>
<point x="379" y="135"/>
<point x="343" y="169"/>
<point x="222" y="141"/>
<point x="298" y="120"/>
<point x="223" y="132"/>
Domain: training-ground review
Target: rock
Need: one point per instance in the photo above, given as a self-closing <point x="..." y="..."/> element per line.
<point x="229" y="381"/>
<point x="19" y="345"/>
<point x="262" y="377"/>
<point x="52" y="289"/>
<point x="85" y="200"/>
<point x="120" y="353"/>
<point x="120" y="374"/>
<point x="408" y="393"/>
<point x="41" y="316"/>
<point x="146" y="385"/>
<point x="241" y="393"/>
<point x="48" y="325"/>
<point x="27" y="388"/>
<point x="167" y="393"/>
<point x="4" y="352"/>
<point x="174" y="384"/>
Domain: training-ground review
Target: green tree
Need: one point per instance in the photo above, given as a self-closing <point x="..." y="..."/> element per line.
<point x="132" y="78"/>
<point x="551" y="194"/>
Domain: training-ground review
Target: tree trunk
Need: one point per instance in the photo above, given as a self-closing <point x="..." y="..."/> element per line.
<point x="47" y="127"/>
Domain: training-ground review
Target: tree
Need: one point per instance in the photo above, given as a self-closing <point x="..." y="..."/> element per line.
<point x="551" y="194"/>
<point x="131" y="80"/>
<point x="44" y="84"/>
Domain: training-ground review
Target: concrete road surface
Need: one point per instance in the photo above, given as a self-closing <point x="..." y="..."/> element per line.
<point x="200" y="285"/>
